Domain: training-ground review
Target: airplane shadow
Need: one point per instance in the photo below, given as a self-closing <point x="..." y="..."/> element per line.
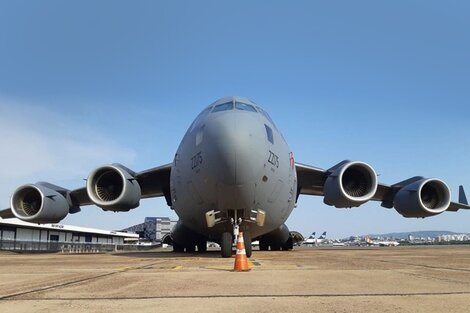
<point x="167" y="254"/>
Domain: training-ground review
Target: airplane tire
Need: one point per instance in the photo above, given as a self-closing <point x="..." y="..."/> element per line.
<point x="177" y="247"/>
<point x="202" y="246"/>
<point x="226" y="245"/>
<point x="275" y="247"/>
<point x="263" y="245"/>
<point x="248" y="245"/>
<point x="289" y="245"/>
<point x="191" y="249"/>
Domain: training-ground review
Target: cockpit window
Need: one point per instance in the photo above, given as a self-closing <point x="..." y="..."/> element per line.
<point x="223" y="107"/>
<point x="269" y="133"/>
<point x="267" y="116"/>
<point x="198" y="118"/>
<point x="244" y="107"/>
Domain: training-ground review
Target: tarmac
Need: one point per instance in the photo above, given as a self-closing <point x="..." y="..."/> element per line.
<point x="339" y="279"/>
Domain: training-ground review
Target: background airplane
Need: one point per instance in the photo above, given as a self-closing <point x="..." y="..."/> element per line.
<point x="310" y="240"/>
<point x="321" y="239"/>
<point x="314" y="241"/>
<point x="232" y="171"/>
<point x="382" y="243"/>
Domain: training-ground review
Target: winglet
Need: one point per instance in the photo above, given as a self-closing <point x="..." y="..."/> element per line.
<point x="462" y="196"/>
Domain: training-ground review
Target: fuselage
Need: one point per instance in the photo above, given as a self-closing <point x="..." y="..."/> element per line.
<point x="233" y="159"/>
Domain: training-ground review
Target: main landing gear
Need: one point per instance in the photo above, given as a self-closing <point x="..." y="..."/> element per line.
<point x="190" y="248"/>
<point x="265" y="245"/>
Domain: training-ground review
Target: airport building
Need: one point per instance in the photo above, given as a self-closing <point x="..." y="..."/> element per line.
<point x="154" y="229"/>
<point x="19" y="235"/>
<point x="453" y="237"/>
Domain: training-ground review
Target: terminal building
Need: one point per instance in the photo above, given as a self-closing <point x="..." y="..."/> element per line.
<point x="19" y="235"/>
<point x="155" y="229"/>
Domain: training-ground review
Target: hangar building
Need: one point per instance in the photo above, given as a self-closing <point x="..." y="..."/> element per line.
<point x="153" y="228"/>
<point x="19" y="235"/>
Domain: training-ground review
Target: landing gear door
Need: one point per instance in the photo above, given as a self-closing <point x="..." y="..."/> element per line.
<point x="212" y="219"/>
<point x="259" y="217"/>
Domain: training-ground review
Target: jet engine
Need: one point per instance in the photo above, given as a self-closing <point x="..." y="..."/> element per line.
<point x="350" y="184"/>
<point x="423" y="198"/>
<point x="114" y="188"/>
<point x="38" y="203"/>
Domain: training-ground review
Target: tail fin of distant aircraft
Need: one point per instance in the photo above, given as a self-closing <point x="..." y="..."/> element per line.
<point x="462" y="204"/>
<point x="323" y="236"/>
<point x="462" y="196"/>
<point x="312" y="236"/>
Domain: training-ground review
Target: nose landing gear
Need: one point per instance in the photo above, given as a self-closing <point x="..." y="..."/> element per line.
<point x="226" y="245"/>
<point x="227" y="239"/>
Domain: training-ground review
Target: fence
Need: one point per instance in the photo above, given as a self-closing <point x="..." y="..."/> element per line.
<point x="68" y="247"/>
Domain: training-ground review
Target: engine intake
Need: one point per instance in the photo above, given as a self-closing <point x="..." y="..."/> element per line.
<point x="423" y="198"/>
<point x="37" y="203"/>
<point x="350" y="185"/>
<point x="113" y="188"/>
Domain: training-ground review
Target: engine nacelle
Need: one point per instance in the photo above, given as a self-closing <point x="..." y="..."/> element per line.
<point x="423" y="198"/>
<point x="113" y="188"/>
<point x="37" y="203"/>
<point x="350" y="185"/>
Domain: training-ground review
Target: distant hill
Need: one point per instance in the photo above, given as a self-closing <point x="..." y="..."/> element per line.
<point x="424" y="233"/>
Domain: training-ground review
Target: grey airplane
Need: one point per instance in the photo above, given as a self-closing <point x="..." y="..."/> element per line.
<point x="233" y="171"/>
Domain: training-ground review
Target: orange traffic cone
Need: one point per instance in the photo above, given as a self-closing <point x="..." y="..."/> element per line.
<point x="241" y="261"/>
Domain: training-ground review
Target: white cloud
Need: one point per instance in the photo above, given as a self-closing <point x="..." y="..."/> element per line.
<point x="37" y="144"/>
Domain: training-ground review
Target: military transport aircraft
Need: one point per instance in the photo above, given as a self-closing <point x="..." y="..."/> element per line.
<point x="233" y="171"/>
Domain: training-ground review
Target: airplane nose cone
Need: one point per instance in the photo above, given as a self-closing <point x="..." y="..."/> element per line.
<point x="237" y="149"/>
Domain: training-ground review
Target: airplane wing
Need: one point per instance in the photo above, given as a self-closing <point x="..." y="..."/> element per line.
<point x="154" y="182"/>
<point x="7" y="213"/>
<point x="312" y="180"/>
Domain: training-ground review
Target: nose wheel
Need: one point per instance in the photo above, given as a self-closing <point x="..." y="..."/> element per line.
<point x="227" y="240"/>
<point x="248" y="246"/>
<point x="226" y="245"/>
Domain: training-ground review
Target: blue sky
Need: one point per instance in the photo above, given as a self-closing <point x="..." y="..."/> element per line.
<point x="92" y="82"/>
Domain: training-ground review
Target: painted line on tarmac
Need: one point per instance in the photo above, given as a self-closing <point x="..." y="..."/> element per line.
<point x="425" y="266"/>
<point x="248" y="296"/>
<point x="73" y="282"/>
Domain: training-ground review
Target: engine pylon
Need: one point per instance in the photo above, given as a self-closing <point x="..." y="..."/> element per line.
<point x="241" y="261"/>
